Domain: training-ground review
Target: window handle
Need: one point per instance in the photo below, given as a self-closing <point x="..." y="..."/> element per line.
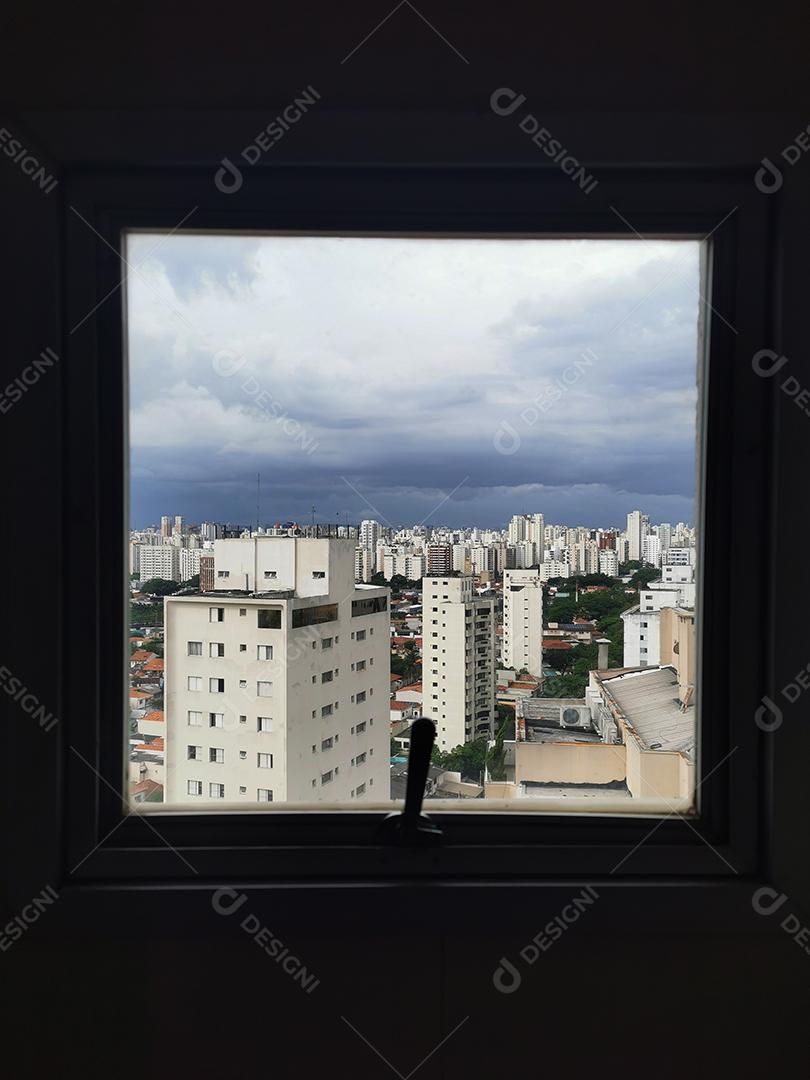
<point x="411" y="827"/>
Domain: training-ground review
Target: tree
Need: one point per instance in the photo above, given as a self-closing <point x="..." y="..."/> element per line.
<point x="468" y="759"/>
<point x="154" y="645"/>
<point x="160" y="587"/>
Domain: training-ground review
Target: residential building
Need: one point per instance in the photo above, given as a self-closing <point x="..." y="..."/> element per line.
<point x="523" y="621"/>
<point x="206" y="572"/>
<point x="439" y="559"/>
<point x="159" y="561"/>
<point x="458" y="658"/>
<point x="279" y="694"/>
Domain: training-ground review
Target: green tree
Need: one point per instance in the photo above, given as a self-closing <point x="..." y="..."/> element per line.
<point x="160" y="587"/>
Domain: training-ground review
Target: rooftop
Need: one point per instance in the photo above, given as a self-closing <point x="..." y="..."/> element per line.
<point x="651" y="707"/>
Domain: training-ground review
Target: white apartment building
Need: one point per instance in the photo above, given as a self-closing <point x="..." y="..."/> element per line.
<point x="362" y="565"/>
<point x="651" y="551"/>
<point x="642" y="623"/>
<point x="637" y="525"/>
<point x="189" y="563"/>
<point x="523" y="621"/>
<point x="370" y="536"/>
<point x="458" y="660"/>
<point x="159" y="561"/>
<point x="410" y="566"/>
<point x="678" y="556"/>
<point x="609" y="562"/>
<point x="552" y="568"/>
<point x="279" y="694"/>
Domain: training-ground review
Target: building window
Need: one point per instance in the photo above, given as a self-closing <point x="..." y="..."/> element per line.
<point x="216" y="614"/>
<point x="269" y="618"/>
<point x="326" y="744"/>
<point x="360" y="697"/>
<point x="216" y="754"/>
<point x="264" y="723"/>
<point x="312" y="616"/>
<point x="243" y="755"/>
<point x="243" y="648"/>
<point x="216" y="686"/>
<point x="326" y="676"/>
<point x="264" y="794"/>
<point x="370" y="606"/>
<point x="319" y="574"/>
<point x="216" y="719"/>
<point x="326" y="710"/>
<point x="270" y="574"/>
<point x="216" y="791"/>
<point x="194" y="787"/>
<point x="265" y="652"/>
<point x="195" y="753"/>
<point x="265" y="761"/>
<point x="194" y="718"/>
<point x="195" y="648"/>
<point x="361" y="727"/>
<point x="361" y="665"/>
<point x="243" y="611"/>
<point x="194" y="682"/>
<point x="361" y="635"/>
<point x="360" y="789"/>
<point x="216" y="648"/>
<point x="264" y="689"/>
<point x="360" y="759"/>
<point x="326" y="643"/>
<point x="326" y="777"/>
<point x="242" y="719"/>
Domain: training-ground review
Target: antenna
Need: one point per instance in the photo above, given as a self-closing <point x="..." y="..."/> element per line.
<point x="313" y="517"/>
<point x="258" y="497"/>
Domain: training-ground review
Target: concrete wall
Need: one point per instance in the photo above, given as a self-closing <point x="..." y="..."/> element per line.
<point x="569" y="763"/>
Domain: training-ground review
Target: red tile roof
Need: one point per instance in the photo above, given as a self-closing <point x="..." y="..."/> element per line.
<point x="155" y="717"/>
<point x="154" y="665"/>
<point x="141" y="656"/>
<point x="411" y="686"/>
<point x="400" y="706"/>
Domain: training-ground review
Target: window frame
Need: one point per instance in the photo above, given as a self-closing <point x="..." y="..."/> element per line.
<point x="503" y="200"/>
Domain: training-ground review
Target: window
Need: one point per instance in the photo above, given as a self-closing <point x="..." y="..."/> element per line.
<point x="243" y="611"/>
<point x="360" y="789"/>
<point x="216" y="648"/>
<point x="216" y="791"/>
<point x="216" y="686"/>
<point x="216" y="614"/>
<point x="194" y="718"/>
<point x="265" y="652"/>
<point x="361" y="665"/>
<point x="194" y="753"/>
<point x="264" y="723"/>
<point x="264" y="795"/>
<point x="361" y="635"/>
<point x="264" y="689"/>
<point x="223" y="573"/>
<point x="194" y="682"/>
<point x="243" y="648"/>
<point x="360" y="759"/>
<point x="318" y="574"/>
<point x="195" y="648"/>
<point x="216" y="755"/>
<point x="194" y="787"/>
<point x="326" y="710"/>
<point x="369" y="607"/>
<point x="216" y="719"/>
<point x="311" y="616"/>
<point x="269" y="618"/>
<point x="242" y="719"/>
<point x="243" y="684"/>
<point x="326" y="643"/>
<point x="326" y="777"/>
<point x="326" y="744"/>
<point x="270" y="574"/>
<point x="265" y="761"/>
<point x="326" y="676"/>
<point x="360" y="697"/>
<point x="361" y="727"/>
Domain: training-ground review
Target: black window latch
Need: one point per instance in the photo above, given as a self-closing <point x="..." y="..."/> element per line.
<point x="412" y="828"/>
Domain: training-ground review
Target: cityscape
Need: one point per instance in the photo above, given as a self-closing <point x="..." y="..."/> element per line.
<point x="287" y="663"/>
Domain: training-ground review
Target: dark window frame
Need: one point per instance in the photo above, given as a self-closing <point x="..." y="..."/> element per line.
<point x="737" y="808"/>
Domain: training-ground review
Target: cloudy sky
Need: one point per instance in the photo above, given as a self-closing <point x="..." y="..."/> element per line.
<point x="452" y="382"/>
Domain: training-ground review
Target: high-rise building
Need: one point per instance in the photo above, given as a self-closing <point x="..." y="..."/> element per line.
<point x="458" y="658"/>
<point x="165" y="526"/>
<point x="206" y="572"/>
<point x="159" y="561"/>
<point x="609" y="562"/>
<point x="439" y="559"/>
<point x="523" y="621"/>
<point x="636" y="534"/>
<point x="279" y="695"/>
<point x="179" y="526"/>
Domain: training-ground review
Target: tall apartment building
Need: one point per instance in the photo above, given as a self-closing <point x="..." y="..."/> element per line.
<point x="523" y="621"/>
<point x="189" y="563"/>
<point x="609" y="562"/>
<point x="363" y="562"/>
<point x="278" y="693"/>
<point x="165" y="526"/>
<point x="369" y="537"/>
<point x="458" y="660"/>
<point x="439" y="559"/>
<point x="159" y="561"/>
<point x="637" y="524"/>
<point x="206" y="571"/>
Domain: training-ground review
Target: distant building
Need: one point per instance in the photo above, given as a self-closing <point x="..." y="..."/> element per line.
<point x="159" y="561"/>
<point x="206" y="572"/>
<point x="523" y="621"/>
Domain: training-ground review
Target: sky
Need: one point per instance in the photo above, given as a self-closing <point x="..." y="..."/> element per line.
<point x="445" y="382"/>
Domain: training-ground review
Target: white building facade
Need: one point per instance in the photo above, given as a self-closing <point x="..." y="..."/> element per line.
<point x="523" y="621"/>
<point x="278" y="695"/>
<point x="458" y="660"/>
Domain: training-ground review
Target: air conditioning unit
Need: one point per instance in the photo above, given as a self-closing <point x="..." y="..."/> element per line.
<point x="575" y="716"/>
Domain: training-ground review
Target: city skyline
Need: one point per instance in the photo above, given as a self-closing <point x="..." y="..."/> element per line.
<point x="474" y="377"/>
